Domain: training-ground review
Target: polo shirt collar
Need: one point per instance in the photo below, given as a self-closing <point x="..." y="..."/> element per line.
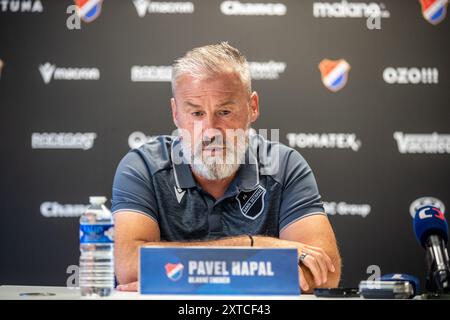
<point x="247" y="177"/>
<point x="181" y="170"/>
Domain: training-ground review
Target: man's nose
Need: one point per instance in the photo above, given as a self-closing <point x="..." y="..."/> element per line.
<point x="210" y="128"/>
<point x="209" y="123"/>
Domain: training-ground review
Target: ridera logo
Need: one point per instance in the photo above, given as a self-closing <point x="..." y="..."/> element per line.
<point x="270" y="70"/>
<point x="151" y="73"/>
<point x="63" y="140"/>
<point x="434" y="11"/>
<point x="51" y="72"/>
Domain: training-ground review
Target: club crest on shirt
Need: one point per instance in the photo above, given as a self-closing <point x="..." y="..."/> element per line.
<point x="251" y="202"/>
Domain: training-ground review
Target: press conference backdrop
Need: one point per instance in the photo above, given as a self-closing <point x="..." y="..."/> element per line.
<point x="360" y="89"/>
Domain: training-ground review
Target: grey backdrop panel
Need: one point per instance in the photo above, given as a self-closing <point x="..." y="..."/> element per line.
<point x="35" y="249"/>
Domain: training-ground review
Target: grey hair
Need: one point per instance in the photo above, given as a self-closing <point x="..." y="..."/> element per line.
<point x="210" y="60"/>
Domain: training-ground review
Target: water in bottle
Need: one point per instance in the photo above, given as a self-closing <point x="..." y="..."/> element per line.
<point x="96" y="277"/>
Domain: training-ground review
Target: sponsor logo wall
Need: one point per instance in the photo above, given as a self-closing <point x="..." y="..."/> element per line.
<point x="368" y="108"/>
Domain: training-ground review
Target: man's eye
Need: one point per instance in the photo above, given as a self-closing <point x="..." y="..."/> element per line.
<point x="224" y="112"/>
<point x="197" y="114"/>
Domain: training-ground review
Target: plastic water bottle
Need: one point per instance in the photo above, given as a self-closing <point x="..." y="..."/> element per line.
<point x="96" y="277"/>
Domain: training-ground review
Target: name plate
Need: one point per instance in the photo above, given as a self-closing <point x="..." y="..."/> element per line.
<point x="218" y="270"/>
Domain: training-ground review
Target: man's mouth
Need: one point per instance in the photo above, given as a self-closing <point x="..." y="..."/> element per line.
<point x="213" y="149"/>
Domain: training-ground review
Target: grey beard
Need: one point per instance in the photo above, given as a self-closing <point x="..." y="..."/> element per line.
<point x="215" y="170"/>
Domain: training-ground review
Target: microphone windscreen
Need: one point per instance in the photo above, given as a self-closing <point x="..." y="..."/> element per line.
<point x="428" y="221"/>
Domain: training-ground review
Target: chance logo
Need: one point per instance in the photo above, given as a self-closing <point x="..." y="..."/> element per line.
<point x="334" y="73"/>
<point x="434" y="11"/>
<point x="174" y="271"/>
<point x="88" y="10"/>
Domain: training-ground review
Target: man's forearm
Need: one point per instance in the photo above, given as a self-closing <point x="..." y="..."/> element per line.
<point x="127" y="271"/>
<point x="235" y="241"/>
<point x="127" y="267"/>
<point x="130" y="268"/>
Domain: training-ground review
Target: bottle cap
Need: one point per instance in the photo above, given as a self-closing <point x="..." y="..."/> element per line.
<point x="97" y="200"/>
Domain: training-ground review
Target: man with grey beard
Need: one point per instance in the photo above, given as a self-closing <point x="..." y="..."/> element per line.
<point x="218" y="183"/>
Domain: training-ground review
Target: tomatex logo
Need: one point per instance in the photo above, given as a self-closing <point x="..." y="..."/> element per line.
<point x="146" y="6"/>
<point x="324" y="140"/>
<point x="50" y="71"/>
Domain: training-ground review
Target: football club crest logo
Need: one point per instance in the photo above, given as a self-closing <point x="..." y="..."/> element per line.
<point x="334" y="73"/>
<point x="88" y="10"/>
<point x="434" y="11"/>
<point x="251" y="202"/>
<point x="174" y="271"/>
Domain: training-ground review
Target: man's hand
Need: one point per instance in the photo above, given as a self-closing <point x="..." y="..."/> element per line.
<point x="128" y="287"/>
<point x="314" y="236"/>
<point x="318" y="262"/>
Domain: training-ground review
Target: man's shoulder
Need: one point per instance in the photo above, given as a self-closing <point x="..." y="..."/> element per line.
<point x="155" y="154"/>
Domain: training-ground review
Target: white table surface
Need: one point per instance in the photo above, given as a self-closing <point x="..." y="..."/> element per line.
<point x="65" y="293"/>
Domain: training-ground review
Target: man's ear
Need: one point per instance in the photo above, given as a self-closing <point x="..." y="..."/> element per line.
<point x="254" y="106"/>
<point x="173" y="105"/>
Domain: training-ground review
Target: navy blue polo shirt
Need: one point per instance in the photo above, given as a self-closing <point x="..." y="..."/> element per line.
<point x="274" y="188"/>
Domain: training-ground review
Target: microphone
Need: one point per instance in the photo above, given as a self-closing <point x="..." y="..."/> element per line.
<point x="431" y="230"/>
